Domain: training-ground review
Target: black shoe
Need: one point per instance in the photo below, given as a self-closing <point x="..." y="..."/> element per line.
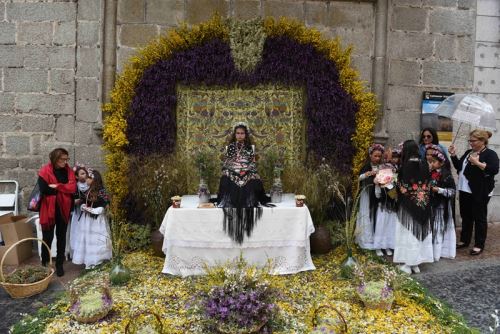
<point x="474" y="252"/>
<point x="459" y="246"/>
<point x="59" y="270"/>
<point x="44" y="263"/>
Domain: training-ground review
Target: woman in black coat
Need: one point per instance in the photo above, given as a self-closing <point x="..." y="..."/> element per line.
<point x="476" y="172"/>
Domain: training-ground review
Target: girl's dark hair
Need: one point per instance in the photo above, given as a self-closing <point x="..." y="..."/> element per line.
<point x="79" y="168"/>
<point x="95" y="186"/>
<point x="435" y="138"/>
<point x="56" y="154"/>
<point x="410" y="150"/>
<point x="248" y="140"/>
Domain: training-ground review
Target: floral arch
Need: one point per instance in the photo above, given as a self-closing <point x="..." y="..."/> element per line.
<point x="140" y="119"/>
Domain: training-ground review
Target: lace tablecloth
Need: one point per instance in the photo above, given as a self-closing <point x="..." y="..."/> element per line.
<point x="195" y="238"/>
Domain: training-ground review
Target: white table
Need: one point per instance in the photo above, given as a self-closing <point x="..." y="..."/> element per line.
<point x="195" y="238"/>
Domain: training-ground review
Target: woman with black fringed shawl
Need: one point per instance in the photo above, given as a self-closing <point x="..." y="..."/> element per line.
<point x="241" y="192"/>
<point x="414" y="232"/>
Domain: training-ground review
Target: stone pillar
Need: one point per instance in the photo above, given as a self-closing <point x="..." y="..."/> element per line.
<point x="380" y="67"/>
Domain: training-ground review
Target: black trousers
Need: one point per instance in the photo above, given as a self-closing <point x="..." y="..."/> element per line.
<point x="60" y="229"/>
<point x="474" y="215"/>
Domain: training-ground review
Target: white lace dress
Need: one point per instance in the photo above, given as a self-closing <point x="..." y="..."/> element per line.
<point x="385" y="227"/>
<point x="364" y="224"/>
<point x="411" y="251"/>
<point x="92" y="245"/>
<point x="444" y="243"/>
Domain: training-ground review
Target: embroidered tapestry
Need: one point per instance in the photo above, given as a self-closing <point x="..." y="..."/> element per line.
<point x="206" y="116"/>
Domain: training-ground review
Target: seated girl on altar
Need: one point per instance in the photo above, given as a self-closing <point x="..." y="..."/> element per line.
<point x="93" y="242"/>
<point x="241" y="191"/>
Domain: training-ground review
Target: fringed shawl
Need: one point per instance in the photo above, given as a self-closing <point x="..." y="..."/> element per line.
<point x="414" y="186"/>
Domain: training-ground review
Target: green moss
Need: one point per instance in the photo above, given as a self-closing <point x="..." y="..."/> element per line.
<point x="91" y="303"/>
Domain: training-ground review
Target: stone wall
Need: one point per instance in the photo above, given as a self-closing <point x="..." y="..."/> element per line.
<point x="53" y="67"/>
<point x="50" y="91"/>
<point x="430" y="48"/>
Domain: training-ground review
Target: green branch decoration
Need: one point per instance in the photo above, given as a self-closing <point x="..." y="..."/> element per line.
<point x="246" y="40"/>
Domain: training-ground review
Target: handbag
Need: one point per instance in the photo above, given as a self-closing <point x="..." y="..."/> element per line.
<point x="35" y="199"/>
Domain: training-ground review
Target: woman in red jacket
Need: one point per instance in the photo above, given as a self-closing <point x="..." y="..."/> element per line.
<point x="57" y="185"/>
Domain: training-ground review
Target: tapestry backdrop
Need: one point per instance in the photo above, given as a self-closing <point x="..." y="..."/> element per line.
<point x="206" y="116"/>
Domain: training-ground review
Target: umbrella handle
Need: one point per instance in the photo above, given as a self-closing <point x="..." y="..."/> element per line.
<point x="458" y="131"/>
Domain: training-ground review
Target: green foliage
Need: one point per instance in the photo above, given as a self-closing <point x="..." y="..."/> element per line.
<point x="246" y="39"/>
<point x="90" y="303"/>
<point x="136" y="237"/>
<point x="270" y="166"/>
<point x="36" y="323"/>
<point x="27" y="275"/>
<point x="337" y="232"/>
<point x="319" y="182"/>
<point x="157" y="178"/>
<point x="208" y="167"/>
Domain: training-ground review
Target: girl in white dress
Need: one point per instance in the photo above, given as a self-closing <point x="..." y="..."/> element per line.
<point x="413" y="233"/>
<point x="93" y="244"/>
<point x="387" y="217"/>
<point x="82" y="187"/>
<point x="442" y="197"/>
<point x="365" y="221"/>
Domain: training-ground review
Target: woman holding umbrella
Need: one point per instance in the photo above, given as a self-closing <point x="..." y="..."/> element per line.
<point x="476" y="171"/>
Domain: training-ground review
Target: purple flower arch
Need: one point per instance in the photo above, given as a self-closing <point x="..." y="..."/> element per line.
<point x="329" y="109"/>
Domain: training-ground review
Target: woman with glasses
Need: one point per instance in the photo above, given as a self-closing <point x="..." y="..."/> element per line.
<point x="476" y="172"/>
<point x="429" y="136"/>
<point x="57" y="184"/>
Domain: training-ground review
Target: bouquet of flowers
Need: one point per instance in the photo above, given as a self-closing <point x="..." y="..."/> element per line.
<point x="385" y="178"/>
<point x="242" y="301"/>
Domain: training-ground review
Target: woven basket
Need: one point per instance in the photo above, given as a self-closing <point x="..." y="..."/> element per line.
<point x="97" y="316"/>
<point x="158" y="320"/>
<point x="94" y="318"/>
<point x="26" y="290"/>
<point x="328" y="307"/>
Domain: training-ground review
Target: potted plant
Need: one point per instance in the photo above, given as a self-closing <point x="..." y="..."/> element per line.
<point x="374" y="286"/>
<point x="239" y="299"/>
<point x="320" y="184"/>
<point x="119" y="274"/>
<point x="205" y="163"/>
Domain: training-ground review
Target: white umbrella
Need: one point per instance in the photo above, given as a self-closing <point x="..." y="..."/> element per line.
<point x="468" y="109"/>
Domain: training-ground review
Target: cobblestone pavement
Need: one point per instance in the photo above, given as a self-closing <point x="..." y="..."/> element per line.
<point x="469" y="284"/>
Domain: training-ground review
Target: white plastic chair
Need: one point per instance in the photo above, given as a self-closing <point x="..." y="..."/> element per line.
<point x="9" y="199"/>
<point x="53" y="247"/>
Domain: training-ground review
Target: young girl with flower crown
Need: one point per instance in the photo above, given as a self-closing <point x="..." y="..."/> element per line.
<point x="442" y="197"/>
<point x="93" y="243"/>
<point x="386" y="216"/>
<point x="366" y="218"/>
<point x="82" y="187"/>
<point x="413" y="244"/>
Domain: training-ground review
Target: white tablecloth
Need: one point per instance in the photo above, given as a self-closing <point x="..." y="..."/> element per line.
<point x="195" y="238"/>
